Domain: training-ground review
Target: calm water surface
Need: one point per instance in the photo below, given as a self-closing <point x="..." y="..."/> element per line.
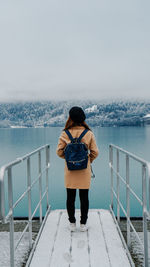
<point x="17" y="142"/>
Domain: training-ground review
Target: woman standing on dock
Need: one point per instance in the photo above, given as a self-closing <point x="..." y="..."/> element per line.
<point x="81" y="178"/>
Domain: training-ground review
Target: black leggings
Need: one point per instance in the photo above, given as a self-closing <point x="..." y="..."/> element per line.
<point x="84" y="204"/>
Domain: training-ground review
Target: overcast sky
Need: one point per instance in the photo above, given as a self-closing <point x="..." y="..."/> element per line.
<point x="65" y="49"/>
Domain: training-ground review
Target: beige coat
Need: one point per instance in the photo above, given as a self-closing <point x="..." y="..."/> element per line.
<point x="78" y="179"/>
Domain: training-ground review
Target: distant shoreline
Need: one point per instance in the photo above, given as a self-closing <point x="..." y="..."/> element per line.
<point x="62" y="126"/>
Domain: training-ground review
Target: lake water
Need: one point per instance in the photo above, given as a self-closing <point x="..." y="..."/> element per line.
<point x="17" y="142"/>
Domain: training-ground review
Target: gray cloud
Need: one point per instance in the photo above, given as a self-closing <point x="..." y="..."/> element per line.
<point x="74" y="49"/>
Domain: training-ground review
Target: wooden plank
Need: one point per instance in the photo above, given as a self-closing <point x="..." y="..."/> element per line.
<point x="79" y="248"/>
<point x="97" y="248"/>
<point x="61" y="256"/>
<point x="116" y="251"/>
<point x="45" y="245"/>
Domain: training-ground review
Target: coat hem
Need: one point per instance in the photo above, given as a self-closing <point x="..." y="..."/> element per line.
<point x="70" y="187"/>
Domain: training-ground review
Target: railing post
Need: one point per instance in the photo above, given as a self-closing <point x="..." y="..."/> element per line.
<point x="118" y="188"/>
<point x="2" y="195"/>
<point x="29" y="201"/>
<point x="144" y="216"/>
<point x="111" y="171"/>
<point x="11" y="221"/>
<point x="40" y="185"/>
<point x="128" y="201"/>
<point x="47" y="167"/>
<point x="148" y="168"/>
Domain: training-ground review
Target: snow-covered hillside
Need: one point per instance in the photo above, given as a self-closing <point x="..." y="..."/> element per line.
<point x="45" y="114"/>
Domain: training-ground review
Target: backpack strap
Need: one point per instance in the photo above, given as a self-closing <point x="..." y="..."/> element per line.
<point x="79" y="138"/>
<point x="82" y="134"/>
<point x="69" y="135"/>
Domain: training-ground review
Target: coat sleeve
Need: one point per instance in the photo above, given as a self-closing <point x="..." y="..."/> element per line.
<point x="61" y="146"/>
<point x="93" y="149"/>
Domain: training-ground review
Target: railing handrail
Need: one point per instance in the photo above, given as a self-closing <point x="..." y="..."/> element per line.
<point x="146" y="212"/>
<point x="9" y="217"/>
<point x="130" y="154"/>
<point x="19" y="160"/>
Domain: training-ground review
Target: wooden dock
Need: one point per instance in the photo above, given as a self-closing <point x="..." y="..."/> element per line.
<point x="100" y="246"/>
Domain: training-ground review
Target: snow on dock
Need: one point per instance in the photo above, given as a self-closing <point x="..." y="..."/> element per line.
<point x="99" y="246"/>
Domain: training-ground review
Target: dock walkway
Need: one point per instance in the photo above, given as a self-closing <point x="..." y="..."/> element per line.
<point x="100" y="246"/>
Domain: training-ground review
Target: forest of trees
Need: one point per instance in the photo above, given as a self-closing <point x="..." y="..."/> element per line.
<point x="45" y="114"/>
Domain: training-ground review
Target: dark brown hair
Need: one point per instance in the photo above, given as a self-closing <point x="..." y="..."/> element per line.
<point x="69" y="124"/>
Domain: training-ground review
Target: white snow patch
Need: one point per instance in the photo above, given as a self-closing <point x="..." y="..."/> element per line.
<point x="58" y="118"/>
<point x="91" y="109"/>
<point x="17" y="126"/>
<point x="137" y="250"/>
<point x="21" y="252"/>
<point x="147" y="116"/>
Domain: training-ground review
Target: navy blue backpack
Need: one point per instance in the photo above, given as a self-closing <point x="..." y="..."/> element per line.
<point x="76" y="152"/>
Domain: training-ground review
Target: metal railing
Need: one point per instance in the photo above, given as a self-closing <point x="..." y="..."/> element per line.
<point x="144" y="202"/>
<point x="6" y="171"/>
